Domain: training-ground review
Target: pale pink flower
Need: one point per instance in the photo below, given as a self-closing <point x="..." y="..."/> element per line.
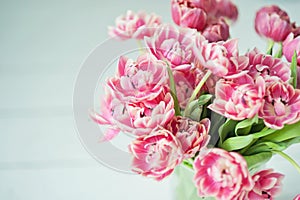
<point x="157" y="154"/>
<point x="173" y="45"/>
<point x="142" y="117"/>
<point x="185" y="15"/>
<point x="270" y="68"/>
<point x="238" y="101"/>
<point x="281" y="105"/>
<point x="134" y="25"/>
<point x="216" y="30"/>
<point x="140" y="80"/>
<point x="273" y="22"/>
<point x="215" y="56"/>
<point x="290" y="46"/>
<point x="109" y="107"/>
<point x="267" y="185"/>
<point x="134" y="118"/>
<point x="297" y="197"/>
<point x="221" y="174"/>
<point x="185" y="81"/>
<point x="192" y="135"/>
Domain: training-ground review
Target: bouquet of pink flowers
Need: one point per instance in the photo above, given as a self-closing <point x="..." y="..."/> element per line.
<point x="190" y="98"/>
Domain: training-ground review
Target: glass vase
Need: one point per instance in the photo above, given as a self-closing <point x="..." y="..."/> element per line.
<point x="184" y="186"/>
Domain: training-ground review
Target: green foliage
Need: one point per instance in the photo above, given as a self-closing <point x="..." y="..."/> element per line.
<point x="173" y="92"/>
<point x="294" y="69"/>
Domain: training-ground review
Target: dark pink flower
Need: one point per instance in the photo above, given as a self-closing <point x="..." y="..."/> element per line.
<point x="221" y="174"/>
<point x="267" y="185"/>
<point x="297" y="197"/>
<point x="156" y="154"/>
<point x="270" y="68"/>
<point x="140" y="80"/>
<point x="134" y="25"/>
<point x="281" y="105"/>
<point x="273" y="22"/>
<point x="191" y="135"/>
<point x="217" y="8"/>
<point x="185" y="15"/>
<point x="290" y="46"/>
<point x="238" y="101"/>
<point x="217" y="30"/>
<point x="173" y="45"/>
<point x="225" y="8"/>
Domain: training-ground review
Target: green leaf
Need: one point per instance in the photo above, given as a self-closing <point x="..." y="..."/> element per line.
<point x="279" y="52"/>
<point x="291" y="141"/>
<point x="257" y="127"/>
<point x="204" y="99"/>
<point x="265" y="132"/>
<point x="193" y="111"/>
<point x="294" y="69"/>
<point x="216" y="121"/>
<point x="255" y="161"/>
<point x="286" y="133"/>
<point x="238" y="142"/>
<point x="173" y="92"/>
<point x="226" y="129"/>
<point x="265" y="147"/>
<point x="244" y="127"/>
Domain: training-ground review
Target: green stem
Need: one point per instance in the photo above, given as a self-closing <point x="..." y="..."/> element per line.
<point x="288" y="158"/>
<point x="270" y="47"/>
<point x="173" y="91"/>
<point x="140" y="45"/>
<point x="188" y="164"/>
<point x="198" y="88"/>
<point x="279" y="52"/>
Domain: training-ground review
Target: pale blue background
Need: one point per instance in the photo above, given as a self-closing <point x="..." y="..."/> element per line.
<point x="42" y="45"/>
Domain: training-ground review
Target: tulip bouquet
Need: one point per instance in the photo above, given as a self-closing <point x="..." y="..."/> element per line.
<point x="191" y="99"/>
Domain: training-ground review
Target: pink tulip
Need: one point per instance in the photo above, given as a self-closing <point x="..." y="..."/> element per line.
<point x="209" y="6"/>
<point x="109" y="107"/>
<point x="221" y="174"/>
<point x="140" y="80"/>
<point x="290" y="46"/>
<point x="144" y="116"/>
<point x="134" y="25"/>
<point x="191" y="135"/>
<point x="156" y="154"/>
<point x="297" y="197"/>
<point x="185" y="81"/>
<point x="217" y="8"/>
<point x="270" y="68"/>
<point x="173" y="46"/>
<point x="273" y="23"/>
<point x="238" y="101"/>
<point x="216" y="30"/>
<point x="215" y="56"/>
<point x="134" y="118"/>
<point x="281" y="105"/>
<point x="225" y="8"/>
<point x="267" y="185"/>
<point x="186" y="16"/>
